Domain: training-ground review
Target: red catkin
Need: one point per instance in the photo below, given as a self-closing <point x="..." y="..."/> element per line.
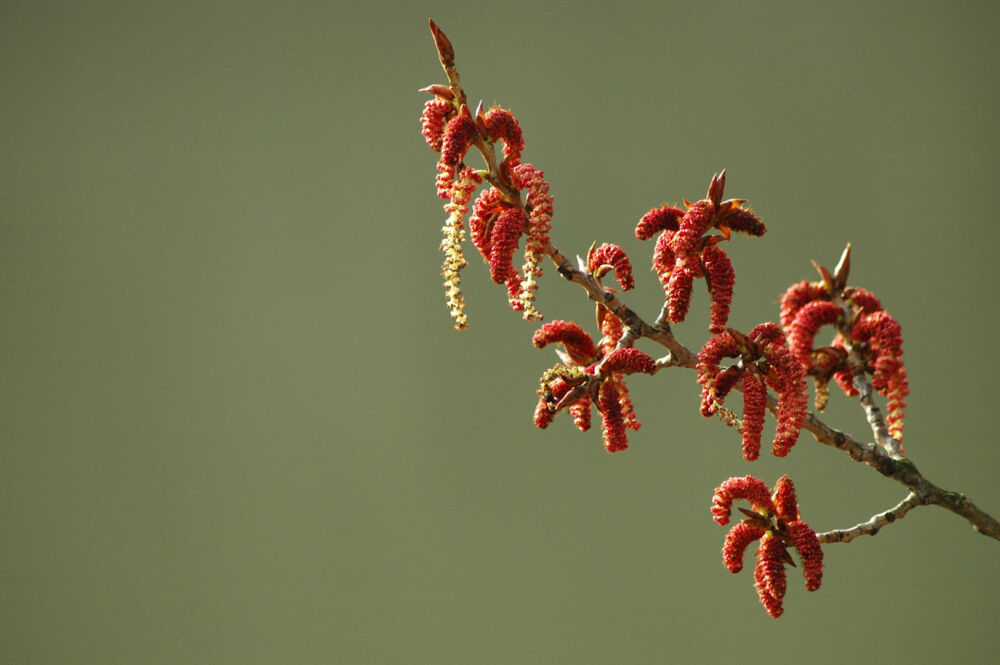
<point x="793" y="397"/>
<point x="754" y="406"/>
<point x="693" y="225"/>
<point x="769" y="574"/>
<point x="885" y="339"/>
<point x="711" y="354"/>
<point x="581" y="413"/>
<point x="737" y="540"/>
<point x="578" y="343"/>
<point x="796" y="297"/>
<point x="484" y="212"/>
<point x="666" y="218"/>
<point x="628" y="361"/>
<point x="502" y="125"/>
<point x="503" y="241"/>
<point x="746" y="487"/>
<point x="432" y="121"/>
<point x="810" y="552"/>
<point x="663" y="258"/>
<point x="864" y="300"/>
<point x="785" y="500"/>
<point x="679" y="292"/>
<point x="613" y="424"/>
<point x="745" y="221"/>
<point x="808" y="320"/>
<point x="720" y="278"/>
<point x="721" y="386"/>
<point x="615" y="257"/>
<point x="458" y="136"/>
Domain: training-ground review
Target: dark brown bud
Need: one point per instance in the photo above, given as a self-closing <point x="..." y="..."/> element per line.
<point x="446" y="53"/>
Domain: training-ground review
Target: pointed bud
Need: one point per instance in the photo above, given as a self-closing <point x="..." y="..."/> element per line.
<point x="481" y="120"/>
<point x="716" y="187"/>
<point x="730" y="205"/>
<point x="825" y="275"/>
<point x="751" y="348"/>
<point x="756" y="518"/>
<point x="842" y="269"/>
<point x="442" y="91"/>
<point x="446" y="53"/>
<point x="590" y="257"/>
<point x="574" y="395"/>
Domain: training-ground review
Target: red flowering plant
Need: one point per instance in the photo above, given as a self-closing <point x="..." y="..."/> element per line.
<point x="592" y="374"/>
<point x="774" y="521"/>
<point x="499" y="216"/>
<point x="763" y="360"/>
<point x="868" y="342"/>
<point x="683" y="252"/>
<point x="510" y="200"/>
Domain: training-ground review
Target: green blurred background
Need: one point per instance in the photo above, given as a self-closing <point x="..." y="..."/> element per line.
<point x="237" y="426"/>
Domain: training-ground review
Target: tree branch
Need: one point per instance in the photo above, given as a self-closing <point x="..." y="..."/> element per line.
<point x="886" y="458"/>
<point x="872" y="526"/>
<point x="886" y="461"/>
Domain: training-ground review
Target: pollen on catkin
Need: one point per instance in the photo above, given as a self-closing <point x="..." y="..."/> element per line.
<point x="769" y="574"/>
<point x="613" y="257"/>
<point x="746" y="487"/>
<point x="737" y="540"/>
<point x="539" y="202"/>
<point x="720" y="278"/>
<point x="810" y="552"/>
<point x="454" y="232"/>
<point x="613" y="421"/>
<point x="433" y="119"/>
<point x="754" y="407"/>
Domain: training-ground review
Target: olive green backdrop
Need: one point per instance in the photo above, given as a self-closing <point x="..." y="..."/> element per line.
<point x="237" y="427"/>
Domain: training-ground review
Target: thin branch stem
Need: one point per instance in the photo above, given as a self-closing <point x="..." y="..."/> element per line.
<point x="595" y="291"/>
<point x="872" y="413"/>
<point x="864" y="387"/>
<point x="872" y="526"/>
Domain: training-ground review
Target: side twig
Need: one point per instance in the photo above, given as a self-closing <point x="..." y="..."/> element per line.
<point x="872" y="526"/>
